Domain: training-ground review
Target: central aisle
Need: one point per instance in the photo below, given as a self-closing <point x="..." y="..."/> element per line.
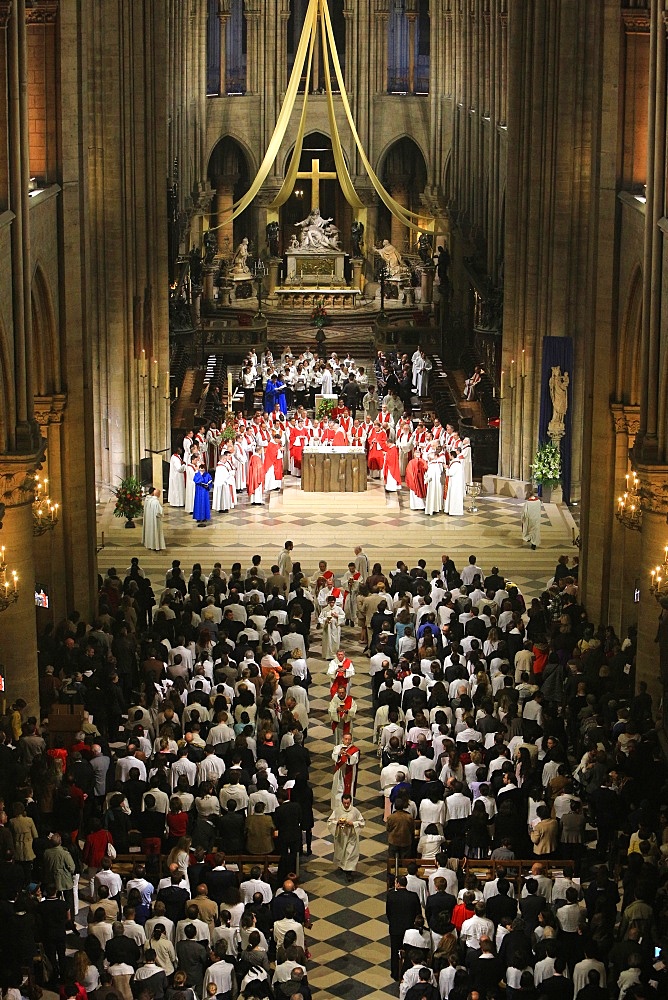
<point x="348" y="941"/>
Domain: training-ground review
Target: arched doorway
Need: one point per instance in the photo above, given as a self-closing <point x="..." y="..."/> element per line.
<point x="317" y="158"/>
<point x="404" y="175"/>
<point x="230" y="175"/>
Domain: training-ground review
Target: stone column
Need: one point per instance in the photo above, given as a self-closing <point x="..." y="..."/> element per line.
<point x="18" y="622"/>
<point x="224" y="202"/>
<point x="50" y="547"/>
<point x="357" y="263"/>
<point x="428" y="272"/>
<point x="222" y="83"/>
<point x="399" y="188"/>
<point x="411" y="18"/>
<point x="654" y="538"/>
<point x="274" y="264"/>
<point x="209" y="273"/>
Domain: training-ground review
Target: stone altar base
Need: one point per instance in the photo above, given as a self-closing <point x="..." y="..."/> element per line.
<point x="323" y="267"/>
<point x="504" y="487"/>
<point x="334" y="470"/>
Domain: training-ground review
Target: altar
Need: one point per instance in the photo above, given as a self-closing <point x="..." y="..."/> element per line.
<point x="326" y="469"/>
<point x="315" y="268"/>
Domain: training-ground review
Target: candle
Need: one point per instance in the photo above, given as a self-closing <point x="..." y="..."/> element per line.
<point x="167" y="391"/>
<point x="503" y="379"/>
<point x="156" y="374"/>
<point x="512" y="374"/>
<point x="229" y="388"/>
<point x="143" y="364"/>
<point x="524" y="370"/>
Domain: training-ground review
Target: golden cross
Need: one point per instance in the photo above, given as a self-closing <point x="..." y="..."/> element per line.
<point x="315" y="175"/>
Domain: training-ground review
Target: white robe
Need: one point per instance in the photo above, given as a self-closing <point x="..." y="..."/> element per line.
<point x="176" y="494"/>
<point x="346" y="837"/>
<point x="190" y="488"/>
<point x="454" y="501"/>
<point x="432" y="478"/>
<point x="222" y="493"/>
<point x="338" y="777"/>
<point x="152" y="534"/>
<point x="465" y="457"/>
<point x="331" y="620"/>
<point x="531" y="522"/>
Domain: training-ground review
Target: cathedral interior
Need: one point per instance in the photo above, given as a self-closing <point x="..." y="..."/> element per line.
<point x="533" y="135"/>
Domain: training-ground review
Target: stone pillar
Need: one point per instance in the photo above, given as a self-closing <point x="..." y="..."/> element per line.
<point x="18" y="623"/>
<point x="209" y="273"/>
<point x="398" y="230"/>
<point x="222" y="84"/>
<point x="50" y="547"/>
<point x="428" y="273"/>
<point x="411" y="18"/>
<point x="274" y="265"/>
<point x="224" y="202"/>
<point x="357" y="263"/>
<point x="654" y="538"/>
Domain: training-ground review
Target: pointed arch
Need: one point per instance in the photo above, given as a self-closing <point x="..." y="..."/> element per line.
<point x="45" y="340"/>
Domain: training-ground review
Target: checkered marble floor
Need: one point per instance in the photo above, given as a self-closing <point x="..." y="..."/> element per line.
<point x="348" y="941"/>
<point x="329" y="529"/>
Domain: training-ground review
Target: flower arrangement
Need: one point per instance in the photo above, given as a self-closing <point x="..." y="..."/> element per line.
<point x="229" y="433"/>
<point x="546" y="466"/>
<point x="319" y="315"/>
<point x="129" y="498"/>
<point x="324" y="408"/>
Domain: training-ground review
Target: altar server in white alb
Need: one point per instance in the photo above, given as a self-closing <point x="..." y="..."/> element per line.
<point x="152" y="533"/>
<point x="434" y="485"/>
<point x="454" y="499"/>
<point x="176" y="494"/>
<point x="531" y="521"/>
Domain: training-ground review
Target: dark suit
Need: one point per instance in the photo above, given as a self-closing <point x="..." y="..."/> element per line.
<point x="439" y="902"/>
<point x="287" y="820"/>
<point x="122" y="949"/>
<point x="557" y="988"/>
<point x="401" y="909"/>
<point x="283" y="901"/>
<point x="217" y="881"/>
<point x="530" y="907"/>
<point x="193" y="960"/>
<point x="486" y="974"/>
<point x="297" y="760"/>
<point x="498" y="907"/>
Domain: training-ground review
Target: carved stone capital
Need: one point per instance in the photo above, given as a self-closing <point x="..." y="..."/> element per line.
<point x="618" y="418"/>
<point x="17" y="477"/>
<point x="42" y="12"/>
<point x="653" y="489"/>
<point x="636" y="21"/>
<point x="632" y="414"/>
<point x="49" y="409"/>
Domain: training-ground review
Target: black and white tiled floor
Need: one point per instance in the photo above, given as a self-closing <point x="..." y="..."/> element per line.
<point x="348" y="941"/>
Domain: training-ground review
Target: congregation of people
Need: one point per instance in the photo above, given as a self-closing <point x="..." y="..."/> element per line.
<point x="505" y="729"/>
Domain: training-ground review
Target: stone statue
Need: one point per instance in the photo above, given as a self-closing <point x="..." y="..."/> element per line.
<point x="272" y="231"/>
<point x="239" y="266"/>
<point x="559" y="394"/>
<point x="357" y="233"/>
<point x="317" y="233"/>
<point x="196" y="268"/>
<point x="294" y="243"/>
<point x="210" y="247"/>
<point x="392" y="259"/>
<point x="426" y="248"/>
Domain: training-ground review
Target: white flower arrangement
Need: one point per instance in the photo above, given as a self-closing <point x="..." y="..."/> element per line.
<point x="546" y="466"/>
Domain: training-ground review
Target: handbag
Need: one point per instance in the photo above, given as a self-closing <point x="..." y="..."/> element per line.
<point x="111" y="852"/>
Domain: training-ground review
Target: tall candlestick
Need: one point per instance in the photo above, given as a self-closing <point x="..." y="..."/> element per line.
<point x="229" y="388"/>
<point x="155" y="381"/>
<point x="524" y="369"/>
<point x="502" y="384"/>
<point x="512" y="374"/>
<point x="167" y="389"/>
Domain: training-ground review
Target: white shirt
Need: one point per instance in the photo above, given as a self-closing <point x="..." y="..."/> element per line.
<point x="111" y="880"/>
<point x="253" y="885"/>
<point x="473" y="929"/>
